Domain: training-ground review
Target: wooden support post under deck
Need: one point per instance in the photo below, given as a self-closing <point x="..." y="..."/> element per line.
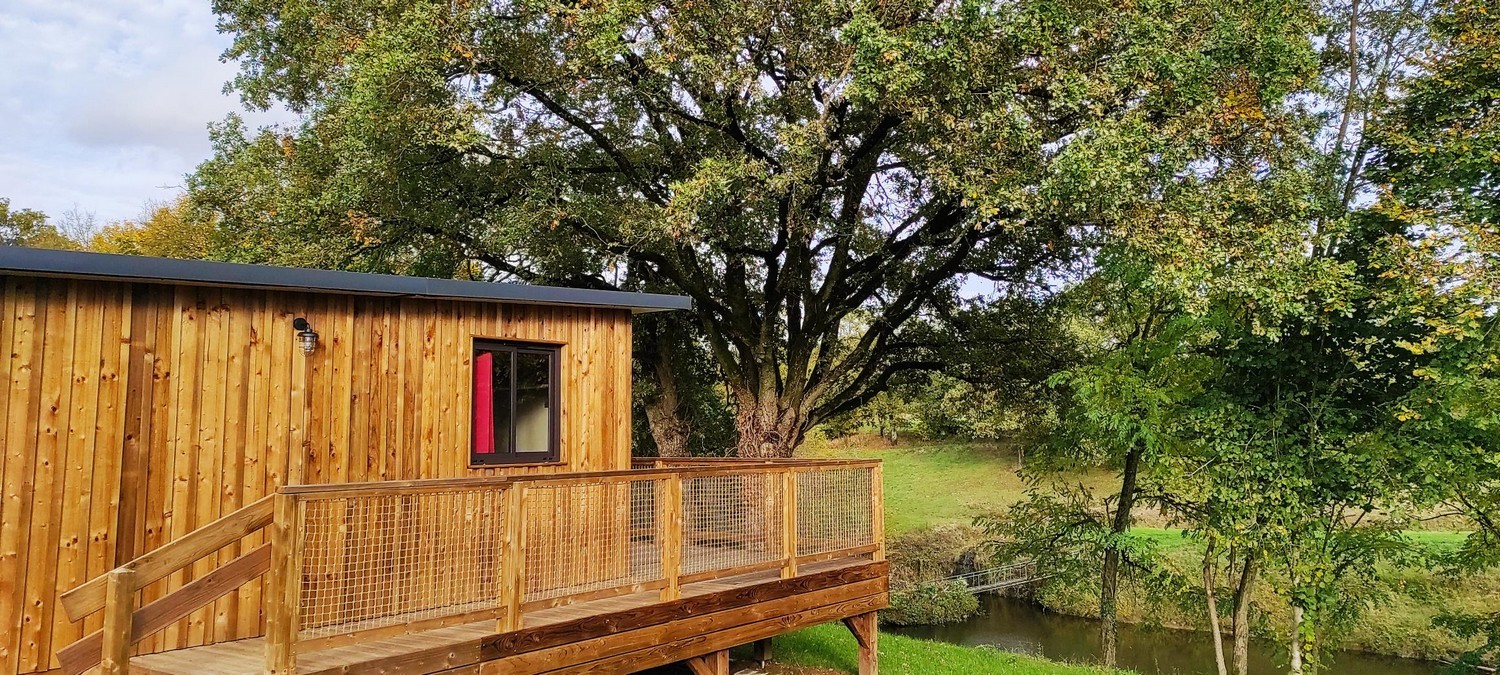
<point x="760" y="650"/>
<point x="865" y="628"/>
<point x="789" y="524"/>
<point x="714" y="663"/>
<point x="119" y="608"/>
<point x="513" y="562"/>
<point x="283" y="592"/>
<point x="669" y="530"/>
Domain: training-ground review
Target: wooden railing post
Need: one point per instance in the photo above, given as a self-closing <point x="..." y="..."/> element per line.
<point x="513" y="562"/>
<point x="789" y="524"/>
<point x="669" y="529"/>
<point x="283" y="590"/>
<point x="877" y="512"/>
<point x="119" y="611"/>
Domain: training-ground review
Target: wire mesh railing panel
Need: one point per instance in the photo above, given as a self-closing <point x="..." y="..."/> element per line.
<point x="587" y="537"/>
<point x="731" y="521"/>
<point x="834" y="509"/>
<point x="385" y="559"/>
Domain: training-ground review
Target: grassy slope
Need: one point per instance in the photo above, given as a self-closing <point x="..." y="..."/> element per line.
<point x="831" y="646"/>
<point x="946" y="484"/>
<point x="949" y="483"/>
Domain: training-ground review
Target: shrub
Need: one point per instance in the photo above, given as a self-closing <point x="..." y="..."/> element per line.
<point x="930" y="553"/>
<point x="930" y="603"/>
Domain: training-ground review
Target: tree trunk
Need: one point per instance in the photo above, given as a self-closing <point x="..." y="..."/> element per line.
<point x="1109" y="582"/>
<point x="1209" y="583"/>
<point x="1296" y="646"/>
<point x="1241" y="626"/>
<point x="664" y="412"/>
<point x="766" y="429"/>
<point x="659" y="342"/>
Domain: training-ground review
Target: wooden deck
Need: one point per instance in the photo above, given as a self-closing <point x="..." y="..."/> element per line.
<point x="603" y="572"/>
<point x="611" y="635"/>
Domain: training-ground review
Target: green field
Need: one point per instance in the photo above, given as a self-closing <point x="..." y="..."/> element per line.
<point x="831" y="648"/>
<point x="946" y="484"/>
<point x="950" y="483"/>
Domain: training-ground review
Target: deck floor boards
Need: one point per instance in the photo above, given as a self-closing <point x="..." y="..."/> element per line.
<point x="248" y="656"/>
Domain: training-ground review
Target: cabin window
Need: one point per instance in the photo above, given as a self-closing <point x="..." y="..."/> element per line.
<point x="515" y="403"/>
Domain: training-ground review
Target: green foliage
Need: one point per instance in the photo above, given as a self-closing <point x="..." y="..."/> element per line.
<point x="169" y="230"/>
<point x="27" y="227"/>
<point x="930" y="603"/>
<point x="929" y="553"/>
<point x="1440" y="146"/>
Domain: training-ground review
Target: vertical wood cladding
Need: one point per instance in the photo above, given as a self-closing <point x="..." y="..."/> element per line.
<point x="133" y="414"/>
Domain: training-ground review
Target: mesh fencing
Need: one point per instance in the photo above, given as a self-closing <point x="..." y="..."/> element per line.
<point x="834" y="509"/>
<point x="371" y="560"/>
<point x="588" y="537"/>
<point x="374" y="560"/>
<point x="731" y="521"/>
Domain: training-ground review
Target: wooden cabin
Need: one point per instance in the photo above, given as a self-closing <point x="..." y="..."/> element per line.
<point x="222" y="468"/>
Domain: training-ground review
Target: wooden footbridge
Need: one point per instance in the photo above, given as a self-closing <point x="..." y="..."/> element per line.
<point x="998" y="578"/>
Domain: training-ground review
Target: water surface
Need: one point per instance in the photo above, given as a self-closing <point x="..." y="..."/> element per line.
<point x="1020" y="625"/>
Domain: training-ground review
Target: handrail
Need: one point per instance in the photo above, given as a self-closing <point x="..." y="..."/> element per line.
<point x="175" y="555"/>
<point x="87" y="652"/>
<point x="734" y="467"/>
<point x="114" y="592"/>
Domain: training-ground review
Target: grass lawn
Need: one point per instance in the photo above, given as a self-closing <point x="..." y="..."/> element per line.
<point x="832" y="647"/>
<point x="946" y="484"/>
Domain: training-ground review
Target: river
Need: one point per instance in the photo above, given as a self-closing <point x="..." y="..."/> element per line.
<point x="1020" y="625"/>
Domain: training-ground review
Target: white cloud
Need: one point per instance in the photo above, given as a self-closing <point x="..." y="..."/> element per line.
<point x="105" y="104"/>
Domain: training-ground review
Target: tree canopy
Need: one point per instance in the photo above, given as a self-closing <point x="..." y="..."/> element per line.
<point x="817" y="176"/>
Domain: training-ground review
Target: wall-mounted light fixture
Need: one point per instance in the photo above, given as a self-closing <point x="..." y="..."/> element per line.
<point x="307" y="338"/>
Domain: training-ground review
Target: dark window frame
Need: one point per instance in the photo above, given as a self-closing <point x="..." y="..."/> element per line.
<point x="507" y="455"/>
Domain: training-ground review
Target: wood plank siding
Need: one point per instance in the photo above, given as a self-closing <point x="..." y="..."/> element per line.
<point x="134" y="413"/>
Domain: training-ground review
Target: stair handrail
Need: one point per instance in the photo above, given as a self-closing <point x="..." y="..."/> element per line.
<point x="114" y="592"/>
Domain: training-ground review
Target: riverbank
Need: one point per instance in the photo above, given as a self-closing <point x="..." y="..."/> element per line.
<point x="829" y="649"/>
<point x="948" y="484"/>
<point x="1400" y="625"/>
<point x="1019" y="625"/>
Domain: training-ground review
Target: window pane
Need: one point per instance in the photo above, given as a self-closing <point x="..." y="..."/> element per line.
<point x="499" y="404"/>
<point x="533" y="402"/>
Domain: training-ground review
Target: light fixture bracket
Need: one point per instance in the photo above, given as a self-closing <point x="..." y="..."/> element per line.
<point x="307" y="338"/>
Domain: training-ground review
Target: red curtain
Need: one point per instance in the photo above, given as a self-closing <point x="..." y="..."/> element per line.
<point x="484" y="404"/>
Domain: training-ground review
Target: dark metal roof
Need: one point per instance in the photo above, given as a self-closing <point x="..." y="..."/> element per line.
<point x="46" y="262"/>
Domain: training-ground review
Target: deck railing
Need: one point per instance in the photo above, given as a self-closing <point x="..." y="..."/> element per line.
<point x="359" y="561"/>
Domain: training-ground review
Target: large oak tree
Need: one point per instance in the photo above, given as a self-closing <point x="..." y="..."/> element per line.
<point x="819" y="176"/>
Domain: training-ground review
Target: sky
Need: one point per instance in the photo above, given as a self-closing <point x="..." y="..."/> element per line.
<point x="105" y="104"/>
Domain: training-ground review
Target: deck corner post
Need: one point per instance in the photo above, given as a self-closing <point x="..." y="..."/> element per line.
<point x="877" y="512"/>
<point x="119" y="612"/>
<point x="284" y="586"/>
<point x="789" y="524"/>
<point x="866" y="630"/>
<point x="513" y="562"/>
<point x="760" y="650"/>
<point x="712" y="663"/>
<point x="669" y="529"/>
